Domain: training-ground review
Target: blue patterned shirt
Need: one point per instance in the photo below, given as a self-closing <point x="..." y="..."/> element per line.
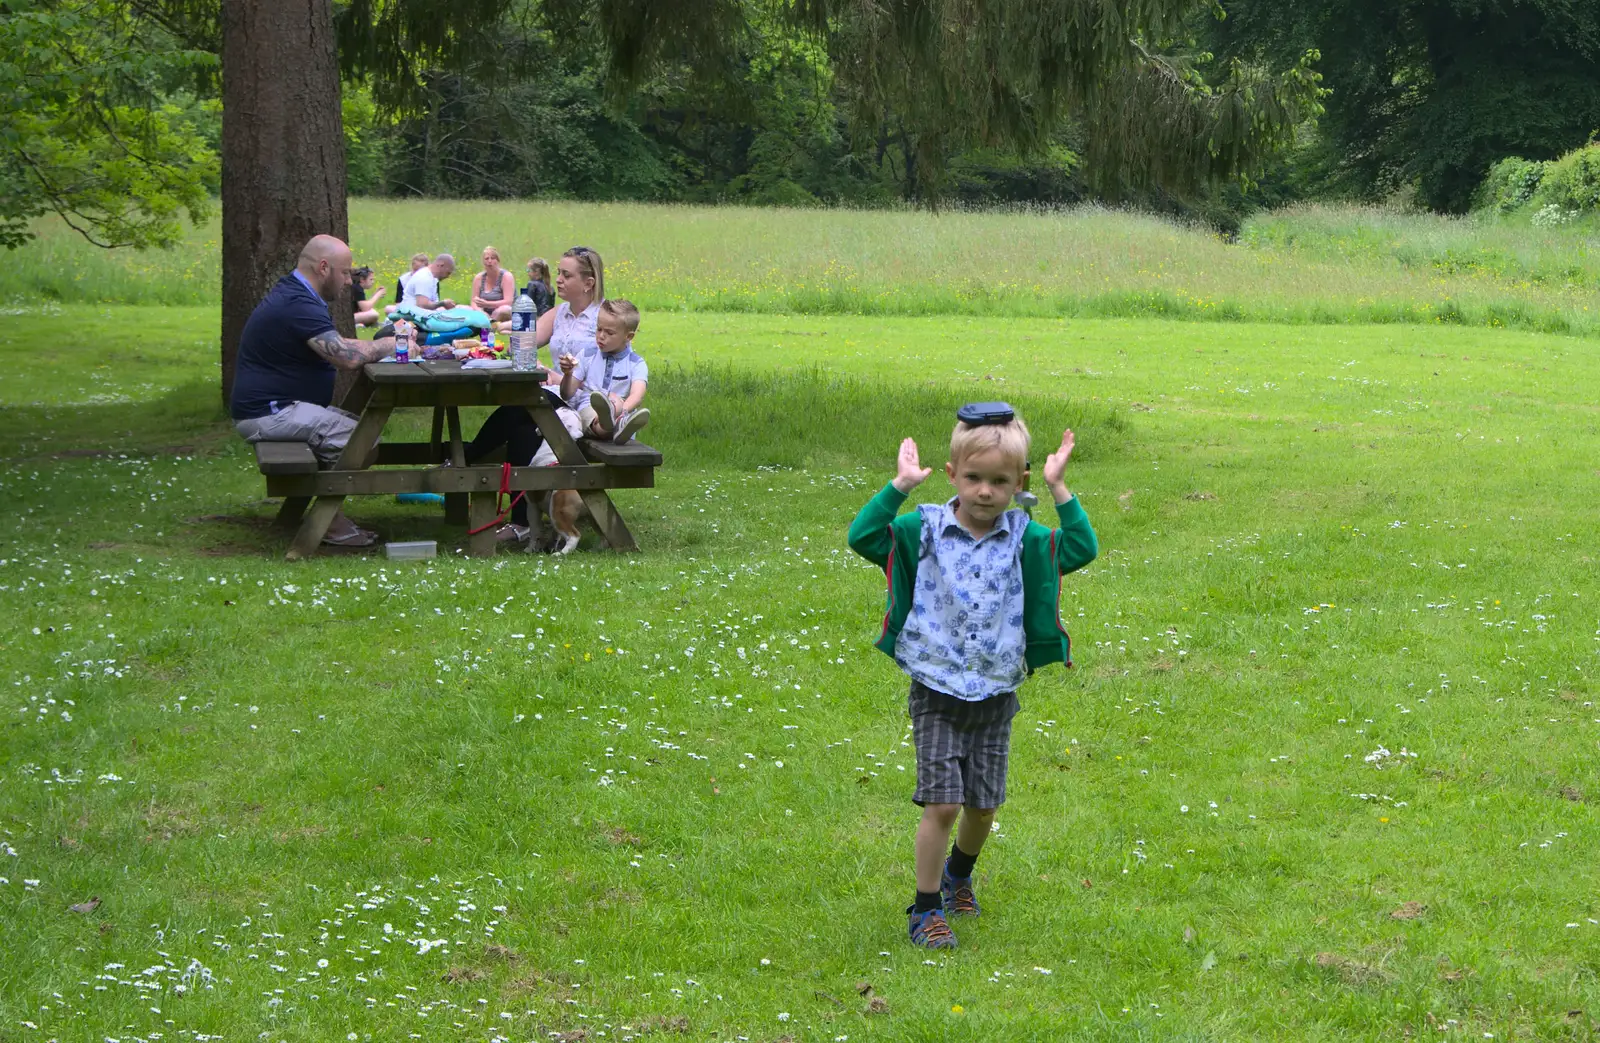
<point x="963" y="635"/>
<point x="613" y="374"/>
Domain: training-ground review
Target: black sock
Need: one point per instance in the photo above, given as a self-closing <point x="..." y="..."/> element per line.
<point x="927" y="900"/>
<point x="961" y="863"/>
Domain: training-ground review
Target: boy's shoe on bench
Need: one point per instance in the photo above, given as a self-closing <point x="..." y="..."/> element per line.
<point x="631" y="426"/>
<point x="600" y="402"/>
<point x="929" y="930"/>
<point x="957" y="894"/>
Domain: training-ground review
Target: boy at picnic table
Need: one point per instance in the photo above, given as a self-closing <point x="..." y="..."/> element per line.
<point x="974" y="589"/>
<point x="607" y="382"/>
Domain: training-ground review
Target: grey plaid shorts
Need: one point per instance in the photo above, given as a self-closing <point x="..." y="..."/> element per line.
<point x="962" y="747"/>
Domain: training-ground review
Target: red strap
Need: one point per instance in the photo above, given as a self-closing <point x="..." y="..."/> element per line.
<point x="505" y="490"/>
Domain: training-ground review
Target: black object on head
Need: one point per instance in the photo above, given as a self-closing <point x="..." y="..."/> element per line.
<point x="981" y="413"/>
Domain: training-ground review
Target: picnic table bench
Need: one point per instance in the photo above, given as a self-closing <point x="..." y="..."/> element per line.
<point x="591" y="468"/>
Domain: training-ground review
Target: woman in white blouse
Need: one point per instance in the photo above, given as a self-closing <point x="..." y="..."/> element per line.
<point x="569" y="327"/>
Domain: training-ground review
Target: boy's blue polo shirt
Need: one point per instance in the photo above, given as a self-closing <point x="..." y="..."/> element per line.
<point x="614" y="374"/>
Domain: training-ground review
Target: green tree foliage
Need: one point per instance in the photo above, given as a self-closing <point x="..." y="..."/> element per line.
<point x="956" y="75"/>
<point x="766" y="131"/>
<point x="1510" y="184"/>
<point x="1433" y="92"/>
<point x="474" y="133"/>
<point x="366" y="141"/>
<point x="766" y="101"/>
<point x="397" y="45"/>
<point x="1573" y="181"/>
<point x="768" y="118"/>
<point x="99" y="123"/>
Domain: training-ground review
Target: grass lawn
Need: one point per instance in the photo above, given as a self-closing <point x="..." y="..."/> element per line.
<point x="1323" y="770"/>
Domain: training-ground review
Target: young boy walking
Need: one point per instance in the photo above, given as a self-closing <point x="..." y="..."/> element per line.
<point x="974" y="587"/>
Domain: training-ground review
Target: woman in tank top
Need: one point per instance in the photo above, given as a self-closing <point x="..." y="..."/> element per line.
<point x="492" y="288"/>
<point x="569" y="327"/>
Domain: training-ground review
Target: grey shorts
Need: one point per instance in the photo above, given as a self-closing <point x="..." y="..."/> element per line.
<point x="325" y="429"/>
<point x="962" y="747"/>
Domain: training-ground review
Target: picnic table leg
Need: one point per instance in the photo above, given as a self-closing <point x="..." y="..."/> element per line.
<point x="291" y="511"/>
<point x="436" y="436"/>
<point x="608" y="520"/>
<point x="480" y="511"/>
<point x="357" y="451"/>
<point x="606" y="516"/>
<point x="355" y="400"/>
<point x="314" y="527"/>
<point x="456" y="511"/>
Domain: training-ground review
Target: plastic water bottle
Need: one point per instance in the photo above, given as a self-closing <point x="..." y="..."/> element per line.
<point x="402" y="341"/>
<point x="524" y="356"/>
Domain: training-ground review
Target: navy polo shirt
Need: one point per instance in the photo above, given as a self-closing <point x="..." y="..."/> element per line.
<point x="275" y="363"/>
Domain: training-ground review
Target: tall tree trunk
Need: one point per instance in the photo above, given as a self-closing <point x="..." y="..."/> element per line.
<point x="283" y="163"/>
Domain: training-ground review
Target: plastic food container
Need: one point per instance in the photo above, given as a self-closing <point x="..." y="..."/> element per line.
<point x="411" y="550"/>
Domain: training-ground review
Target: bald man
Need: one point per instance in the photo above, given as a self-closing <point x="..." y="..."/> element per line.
<point x="422" y="287"/>
<point x="289" y="355"/>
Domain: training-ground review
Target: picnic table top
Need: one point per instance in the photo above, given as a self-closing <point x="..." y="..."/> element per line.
<point x="441" y="371"/>
<point x="446" y="386"/>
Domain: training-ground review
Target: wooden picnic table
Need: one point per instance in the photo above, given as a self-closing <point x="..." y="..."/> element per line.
<point x="469" y="492"/>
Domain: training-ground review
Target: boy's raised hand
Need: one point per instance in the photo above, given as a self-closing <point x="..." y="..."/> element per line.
<point x="911" y="473"/>
<point x="1055" y="467"/>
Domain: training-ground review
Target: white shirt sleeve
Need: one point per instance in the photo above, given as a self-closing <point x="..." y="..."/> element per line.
<point x="422" y="284"/>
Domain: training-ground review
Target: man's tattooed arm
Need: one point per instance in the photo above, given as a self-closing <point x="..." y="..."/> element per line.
<point x="346" y="353"/>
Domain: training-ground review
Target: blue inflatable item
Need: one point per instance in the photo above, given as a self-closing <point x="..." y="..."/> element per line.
<point x="418" y="498"/>
<point x="448" y="336"/>
<point x="442" y="318"/>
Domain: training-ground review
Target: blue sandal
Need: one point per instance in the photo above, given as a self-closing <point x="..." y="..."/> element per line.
<point x="929" y="930"/>
<point x="956" y="891"/>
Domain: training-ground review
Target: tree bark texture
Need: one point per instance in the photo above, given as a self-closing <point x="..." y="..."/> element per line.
<point x="283" y="162"/>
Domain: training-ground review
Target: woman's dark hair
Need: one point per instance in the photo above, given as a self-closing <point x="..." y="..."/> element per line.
<point x="360" y="273"/>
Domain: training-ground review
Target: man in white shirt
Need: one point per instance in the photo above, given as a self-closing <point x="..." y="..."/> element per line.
<point x="422" y="286"/>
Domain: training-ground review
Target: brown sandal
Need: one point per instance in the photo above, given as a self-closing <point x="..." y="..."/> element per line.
<point x="357" y="537"/>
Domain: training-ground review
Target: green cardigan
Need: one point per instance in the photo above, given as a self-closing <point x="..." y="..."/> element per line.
<point x="894" y="545"/>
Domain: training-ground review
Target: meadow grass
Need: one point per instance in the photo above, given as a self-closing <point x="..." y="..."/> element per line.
<point x="1312" y="265"/>
<point x="1507" y="248"/>
<point x="1323" y="770"/>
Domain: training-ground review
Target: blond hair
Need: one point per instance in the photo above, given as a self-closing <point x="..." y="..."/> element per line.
<point x="539" y="268"/>
<point x="590" y="265"/>
<point x="1011" y="438"/>
<point x="419" y="260"/>
<point x="624" y="311"/>
<point x="492" y="252"/>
